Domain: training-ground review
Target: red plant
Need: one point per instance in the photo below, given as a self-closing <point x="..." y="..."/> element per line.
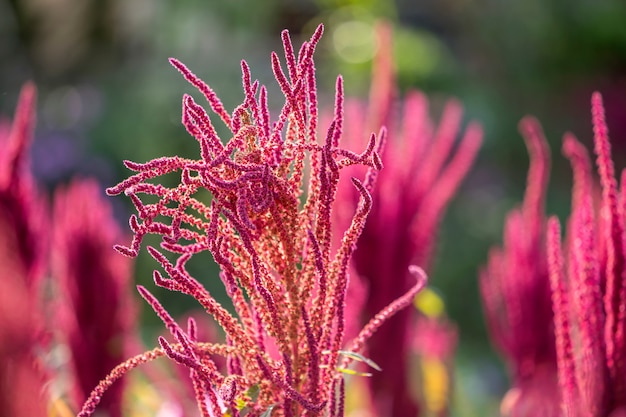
<point x="587" y="276"/>
<point x="95" y="313"/>
<point x="286" y="284"/>
<point x="516" y="293"/>
<point x="23" y="241"/>
<point x="422" y="173"/>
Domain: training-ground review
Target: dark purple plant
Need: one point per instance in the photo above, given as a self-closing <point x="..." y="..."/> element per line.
<point x="23" y="240"/>
<point x="422" y="173"/>
<point x="95" y="313"/>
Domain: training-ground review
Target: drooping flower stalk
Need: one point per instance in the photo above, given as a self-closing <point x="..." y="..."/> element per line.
<point x="516" y="293"/>
<point x="587" y="276"/>
<point x="422" y="173"/>
<point x="286" y="284"/>
<point x="23" y="241"/>
<point x="95" y="313"/>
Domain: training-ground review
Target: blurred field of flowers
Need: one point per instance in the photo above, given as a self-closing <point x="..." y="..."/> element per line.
<point x="106" y="93"/>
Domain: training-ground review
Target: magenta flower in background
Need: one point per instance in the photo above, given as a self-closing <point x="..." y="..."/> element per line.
<point x="88" y="312"/>
<point x="516" y="293"/>
<point x="435" y="341"/>
<point x="422" y="172"/>
<point x="96" y="316"/>
<point x="588" y="281"/>
<point x="287" y="285"/>
<point x="23" y="240"/>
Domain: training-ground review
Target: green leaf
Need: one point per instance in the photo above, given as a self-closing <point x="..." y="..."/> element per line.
<point x="360" y="358"/>
<point x="268" y="412"/>
<point x="253" y="392"/>
<point x="240" y="404"/>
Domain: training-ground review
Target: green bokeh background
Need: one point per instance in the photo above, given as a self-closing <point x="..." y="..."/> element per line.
<point x="107" y="93"/>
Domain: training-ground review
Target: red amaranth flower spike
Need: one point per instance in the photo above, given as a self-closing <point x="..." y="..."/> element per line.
<point x="93" y="285"/>
<point x="516" y="292"/>
<point x="588" y="293"/>
<point x="586" y="275"/>
<point x="560" y="305"/>
<point x="21" y="204"/>
<point x="23" y="245"/>
<point x="422" y="171"/>
<point x="288" y="289"/>
<point x="585" y="287"/>
<point x="612" y="218"/>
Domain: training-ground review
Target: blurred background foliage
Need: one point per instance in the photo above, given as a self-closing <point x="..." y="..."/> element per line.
<point x="107" y="93"/>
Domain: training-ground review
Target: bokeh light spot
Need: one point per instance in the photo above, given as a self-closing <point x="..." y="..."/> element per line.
<point x="354" y="41"/>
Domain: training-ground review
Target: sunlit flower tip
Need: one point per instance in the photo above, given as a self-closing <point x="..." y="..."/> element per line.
<point x="585" y="286"/>
<point x="20" y="203"/>
<point x="400" y="303"/>
<point x="611" y="236"/>
<point x="17" y="145"/>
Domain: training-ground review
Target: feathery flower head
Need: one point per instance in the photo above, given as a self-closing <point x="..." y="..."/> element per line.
<point x="515" y="289"/>
<point x="587" y="277"/>
<point x="422" y="172"/>
<point x="275" y="253"/>
<point x="95" y="311"/>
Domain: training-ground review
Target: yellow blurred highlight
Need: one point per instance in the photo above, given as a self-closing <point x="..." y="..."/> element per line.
<point x="436" y="384"/>
<point x="429" y="303"/>
<point x="357" y="398"/>
<point x="145" y="400"/>
<point x="349" y="371"/>
<point x="59" y="408"/>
